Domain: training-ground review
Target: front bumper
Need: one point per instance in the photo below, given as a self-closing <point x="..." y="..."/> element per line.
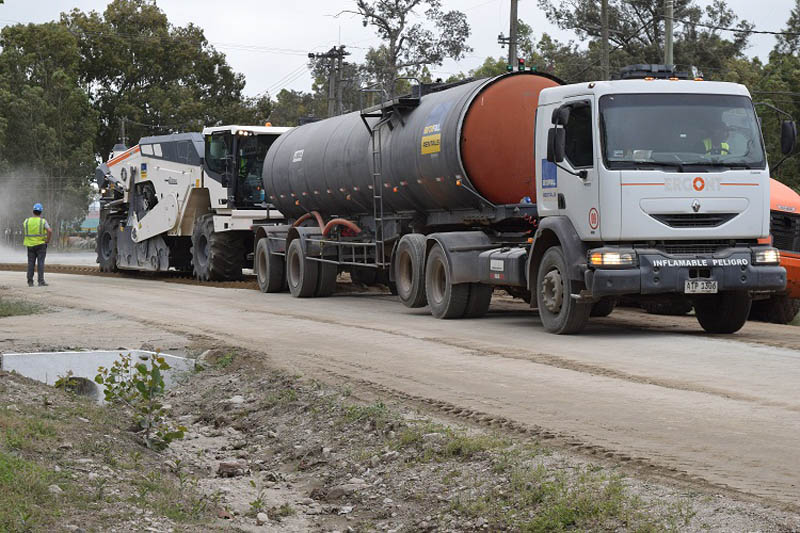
<point x="792" y="265"/>
<point x="660" y="273"/>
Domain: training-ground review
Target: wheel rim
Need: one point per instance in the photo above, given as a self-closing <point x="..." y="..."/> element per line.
<point x="553" y="291"/>
<point x="202" y="249"/>
<point x="261" y="266"/>
<point x="294" y="269"/>
<point x="405" y="274"/>
<point x="438" y="281"/>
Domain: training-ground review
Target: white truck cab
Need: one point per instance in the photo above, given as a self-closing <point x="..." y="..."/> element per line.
<point x="652" y="187"/>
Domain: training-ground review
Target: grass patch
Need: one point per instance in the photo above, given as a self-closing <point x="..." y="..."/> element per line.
<point x="796" y="321"/>
<point x="12" y="307"/>
<point x="24" y="498"/>
<point x="226" y="360"/>
<point x="25" y="433"/>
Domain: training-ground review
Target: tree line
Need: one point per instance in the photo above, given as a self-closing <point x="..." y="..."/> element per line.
<point x="69" y="88"/>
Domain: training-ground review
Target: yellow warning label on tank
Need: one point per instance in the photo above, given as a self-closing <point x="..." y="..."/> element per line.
<point x="431" y="144"/>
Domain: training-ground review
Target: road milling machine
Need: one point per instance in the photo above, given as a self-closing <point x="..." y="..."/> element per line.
<point x="185" y="201"/>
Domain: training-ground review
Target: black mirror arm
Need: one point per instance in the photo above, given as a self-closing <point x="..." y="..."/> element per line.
<point x="582" y="174"/>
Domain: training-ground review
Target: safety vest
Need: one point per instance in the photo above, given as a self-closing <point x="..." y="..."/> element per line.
<point x="724" y="148"/>
<point x="35" y="231"/>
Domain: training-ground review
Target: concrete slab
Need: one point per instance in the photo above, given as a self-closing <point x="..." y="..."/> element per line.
<point x="47" y="367"/>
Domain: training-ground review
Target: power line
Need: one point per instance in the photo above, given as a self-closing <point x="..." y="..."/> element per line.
<point x="739" y="30"/>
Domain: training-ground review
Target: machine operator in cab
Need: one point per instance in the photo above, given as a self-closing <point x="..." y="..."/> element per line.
<point x="37" y="234"/>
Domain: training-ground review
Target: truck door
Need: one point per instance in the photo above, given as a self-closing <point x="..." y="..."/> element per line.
<point x="577" y="177"/>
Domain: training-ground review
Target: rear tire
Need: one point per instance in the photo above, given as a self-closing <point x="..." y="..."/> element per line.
<point x="445" y="299"/>
<point x="270" y="269"/>
<point x="779" y="309"/>
<point x="409" y="270"/>
<point x="326" y="281"/>
<point x="603" y="307"/>
<point x="560" y="313"/>
<point x="106" y="245"/>
<point x="301" y="273"/>
<point x="725" y="312"/>
<point x="216" y="256"/>
<point x="480" y="297"/>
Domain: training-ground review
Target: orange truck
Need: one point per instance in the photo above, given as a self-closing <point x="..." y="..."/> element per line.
<point x="785" y="230"/>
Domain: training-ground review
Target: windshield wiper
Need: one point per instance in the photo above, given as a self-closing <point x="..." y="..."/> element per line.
<point x="718" y="164"/>
<point x="627" y="164"/>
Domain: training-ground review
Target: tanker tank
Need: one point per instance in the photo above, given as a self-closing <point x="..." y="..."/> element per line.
<point x="477" y="135"/>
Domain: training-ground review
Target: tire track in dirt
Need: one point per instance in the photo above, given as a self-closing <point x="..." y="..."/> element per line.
<point x="343" y="371"/>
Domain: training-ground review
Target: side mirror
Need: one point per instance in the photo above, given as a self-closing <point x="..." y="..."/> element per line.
<point x="556" y="144"/>
<point x="560" y="116"/>
<point x="788" y="136"/>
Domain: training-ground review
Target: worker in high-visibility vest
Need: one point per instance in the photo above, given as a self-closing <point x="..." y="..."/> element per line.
<point x="715" y="142"/>
<point x="37" y="234"/>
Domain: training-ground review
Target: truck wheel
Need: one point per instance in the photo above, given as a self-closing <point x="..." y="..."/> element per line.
<point x="409" y="270"/>
<point x="326" y="281"/>
<point x="270" y="269"/>
<point x="480" y="296"/>
<point x="301" y="273"/>
<point x="603" y="308"/>
<point x="674" y="307"/>
<point x="215" y="256"/>
<point x="445" y="299"/>
<point x="107" y="245"/>
<point x="778" y="309"/>
<point x="560" y="313"/>
<point x="725" y="312"/>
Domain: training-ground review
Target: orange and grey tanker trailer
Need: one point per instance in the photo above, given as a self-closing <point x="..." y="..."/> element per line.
<point x="372" y="191"/>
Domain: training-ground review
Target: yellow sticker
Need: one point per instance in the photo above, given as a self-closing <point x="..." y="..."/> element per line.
<point x="197" y="182"/>
<point x="431" y="144"/>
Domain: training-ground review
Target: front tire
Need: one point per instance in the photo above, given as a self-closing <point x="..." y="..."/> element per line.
<point x="270" y="269"/>
<point x="725" y="312"/>
<point x="215" y="256"/>
<point x="560" y="313"/>
<point x="603" y="307"/>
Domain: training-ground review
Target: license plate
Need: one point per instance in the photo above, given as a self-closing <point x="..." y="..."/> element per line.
<point x="700" y="287"/>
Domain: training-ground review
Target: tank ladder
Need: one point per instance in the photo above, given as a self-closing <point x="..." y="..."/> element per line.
<point x="377" y="194"/>
<point x="383" y="112"/>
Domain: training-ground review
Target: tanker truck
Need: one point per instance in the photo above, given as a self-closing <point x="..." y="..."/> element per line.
<point x="568" y="196"/>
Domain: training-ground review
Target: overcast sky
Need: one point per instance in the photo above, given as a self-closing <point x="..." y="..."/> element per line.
<point x="268" y="40"/>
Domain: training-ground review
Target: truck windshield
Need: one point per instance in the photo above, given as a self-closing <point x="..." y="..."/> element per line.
<point x="678" y="130"/>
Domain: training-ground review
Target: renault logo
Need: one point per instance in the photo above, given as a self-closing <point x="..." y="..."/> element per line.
<point x="695" y="205"/>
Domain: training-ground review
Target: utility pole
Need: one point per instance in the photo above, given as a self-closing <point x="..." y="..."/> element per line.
<point x="511" y="40"/>
<point x="123" y="139"/>
<point x="604" y="49"/>
<point x="335" y="57"/>
<point x="668" y="20"/>
<point x="512" y="34"/>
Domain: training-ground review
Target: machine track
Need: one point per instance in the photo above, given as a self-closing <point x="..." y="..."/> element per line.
<point x="249" y="281"/>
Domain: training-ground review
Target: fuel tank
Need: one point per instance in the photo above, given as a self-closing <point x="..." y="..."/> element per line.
<point x="459" y="148"/>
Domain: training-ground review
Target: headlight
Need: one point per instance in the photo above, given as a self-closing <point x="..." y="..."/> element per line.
<point x="608" y="258"/>
<point x="766" y="256"/>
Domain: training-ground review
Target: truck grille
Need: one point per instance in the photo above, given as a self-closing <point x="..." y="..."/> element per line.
<point x="785" y="229"/>
<point x="694" y="220"/>
<point x="693" y="248"/>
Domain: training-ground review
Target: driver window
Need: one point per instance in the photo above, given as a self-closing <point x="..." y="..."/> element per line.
<point x="579" y="148"/>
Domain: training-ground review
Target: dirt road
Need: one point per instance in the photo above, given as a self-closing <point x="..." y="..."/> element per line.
<point x="637" y="388"/>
